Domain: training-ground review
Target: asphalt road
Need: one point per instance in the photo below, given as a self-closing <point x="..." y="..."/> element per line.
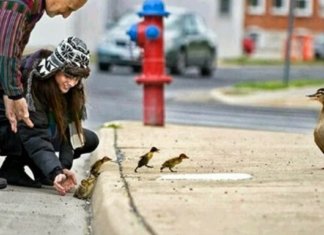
<point x="116" y="96"/>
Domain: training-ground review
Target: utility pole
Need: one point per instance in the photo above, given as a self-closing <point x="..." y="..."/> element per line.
<point x="288" y="45"/>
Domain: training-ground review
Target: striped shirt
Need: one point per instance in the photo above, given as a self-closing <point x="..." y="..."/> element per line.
<point x="17" y="20"/>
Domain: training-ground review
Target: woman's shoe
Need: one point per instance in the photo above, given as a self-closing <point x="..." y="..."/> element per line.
<point x="13" y="171"/>
<point x="19" y="177"/>
<point x="3" y="183"/>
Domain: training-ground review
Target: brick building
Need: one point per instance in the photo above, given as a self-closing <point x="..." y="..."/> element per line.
<point x="267" y="20"/>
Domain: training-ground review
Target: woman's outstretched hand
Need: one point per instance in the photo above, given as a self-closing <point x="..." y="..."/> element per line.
<point x="63" y="183"/>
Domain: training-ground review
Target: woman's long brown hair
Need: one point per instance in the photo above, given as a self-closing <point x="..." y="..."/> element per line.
<point x="65" y="107"/>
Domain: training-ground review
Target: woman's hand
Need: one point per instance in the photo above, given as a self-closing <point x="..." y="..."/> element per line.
<point x="71" y="180"/>
<point x="65" y="182"/>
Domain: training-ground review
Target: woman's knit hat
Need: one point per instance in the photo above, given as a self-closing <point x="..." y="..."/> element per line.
<point x="71" y="53"/>
<point x="71" y="56"/>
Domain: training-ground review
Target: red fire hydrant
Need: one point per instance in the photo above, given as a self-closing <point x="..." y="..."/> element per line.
<point x="248" y="45"/>
<point x="148" y="34"/>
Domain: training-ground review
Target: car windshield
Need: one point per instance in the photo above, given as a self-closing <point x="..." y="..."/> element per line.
<point x="171" y="21"/>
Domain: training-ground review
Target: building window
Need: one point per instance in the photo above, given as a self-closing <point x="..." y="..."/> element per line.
<point x="321" y="8"/>
<point x="256" y="7"/>
<point x="253" y="3"/>
<point x="280" y="7"/>
<point x="225" y="7"/>
<point x="301" y="4"/>
<point x="304" y="7"/>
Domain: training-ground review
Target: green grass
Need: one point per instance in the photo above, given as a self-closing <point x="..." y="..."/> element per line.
<point x="245" y="88"/>
<point x="250" y="61"/>
<point x="243" y="60"/>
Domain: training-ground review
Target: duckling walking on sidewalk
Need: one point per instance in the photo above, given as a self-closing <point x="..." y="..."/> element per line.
<point x="95" y="168"/>
<point x="85" y="189"/>
<point x="319" y="129"/>
<point x="171" y="163"/>
<point x="146" y="158"/>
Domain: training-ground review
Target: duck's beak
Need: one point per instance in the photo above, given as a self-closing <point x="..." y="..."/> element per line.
<point x="310" y="96"/>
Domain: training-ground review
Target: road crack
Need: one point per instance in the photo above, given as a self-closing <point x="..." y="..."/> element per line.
<point x="120" y="158"/>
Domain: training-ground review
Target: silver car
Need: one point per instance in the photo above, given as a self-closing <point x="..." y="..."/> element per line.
<point x="187" y="43"/>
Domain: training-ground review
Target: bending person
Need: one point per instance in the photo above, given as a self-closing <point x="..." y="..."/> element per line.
<point x="56" y="102"/>
<point x="18" y="18"/>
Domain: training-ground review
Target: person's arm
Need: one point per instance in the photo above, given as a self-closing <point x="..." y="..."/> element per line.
<point x="12" y="17"/>
<point x="37" y="143"/>
<point x="40" y="149"/>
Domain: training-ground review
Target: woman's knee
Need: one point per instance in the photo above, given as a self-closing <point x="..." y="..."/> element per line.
<point x="91" y="140"/>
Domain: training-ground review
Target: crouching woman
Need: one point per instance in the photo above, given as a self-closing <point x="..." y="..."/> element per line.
<point x="56" y="101"/>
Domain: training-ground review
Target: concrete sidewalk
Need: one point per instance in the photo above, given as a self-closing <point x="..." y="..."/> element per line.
<point x="284" y="196"/>
<point x="33" y="211"/>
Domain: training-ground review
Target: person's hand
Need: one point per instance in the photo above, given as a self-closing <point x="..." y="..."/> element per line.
<point x="21" y="111"/>
<point x="71" y="179"/>
<point x="65" y="182"/>
<point x="10" y="113"/>
<point x="58" y="184"/>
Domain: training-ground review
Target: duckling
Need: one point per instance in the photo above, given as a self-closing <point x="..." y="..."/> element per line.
<point x="146" y="158"/>
<point x="319" y="129"/>
<point x="95" y="168"/>
<point x="173" y="162"/>
<point x="85" y="189"/>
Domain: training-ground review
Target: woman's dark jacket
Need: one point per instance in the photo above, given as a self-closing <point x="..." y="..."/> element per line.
<point x="38" y="141"/>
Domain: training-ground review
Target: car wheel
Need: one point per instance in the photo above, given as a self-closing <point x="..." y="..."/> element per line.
<point x="104" y="66"/>
<point x="137" y="68"/>
<point x="180" y="65"/>
<point x="208" y="68"/>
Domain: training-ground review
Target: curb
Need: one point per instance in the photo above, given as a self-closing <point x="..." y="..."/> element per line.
<point x="110" y="213"/>
<point x="290" y="98"/>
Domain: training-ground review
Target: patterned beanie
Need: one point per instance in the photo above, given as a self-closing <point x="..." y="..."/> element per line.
<point x="71" y="56"/>
<point x="71" y="52"/>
